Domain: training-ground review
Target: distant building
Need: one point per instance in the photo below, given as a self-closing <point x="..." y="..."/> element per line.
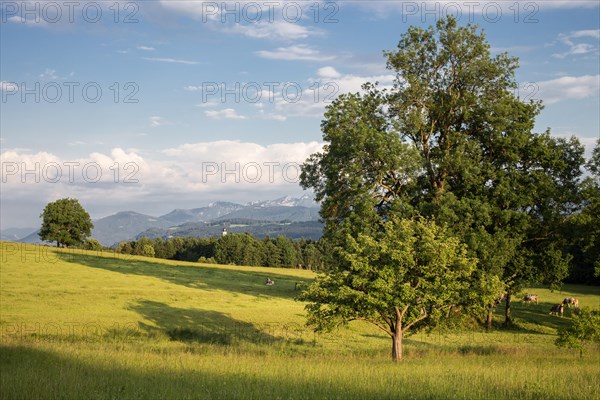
<point x="224" y="232"/>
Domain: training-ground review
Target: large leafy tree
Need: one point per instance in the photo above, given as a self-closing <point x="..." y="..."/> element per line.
<point x="451" y="141"/>
<point x="582" y="234"/>
<point x="408" y="272"/>
<point x="504" y="189"/>
<point x="65" y="222"/>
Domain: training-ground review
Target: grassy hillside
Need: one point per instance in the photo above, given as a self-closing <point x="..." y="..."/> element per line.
<point x="101" y="326"/>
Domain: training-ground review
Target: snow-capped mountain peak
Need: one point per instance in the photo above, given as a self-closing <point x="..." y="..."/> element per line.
<point x="286" y="201"/>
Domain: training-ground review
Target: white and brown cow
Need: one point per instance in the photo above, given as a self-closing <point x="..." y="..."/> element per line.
<point x="529" y="298"/>
<point x="571" y="301"/>
<point x="558" y="309"/>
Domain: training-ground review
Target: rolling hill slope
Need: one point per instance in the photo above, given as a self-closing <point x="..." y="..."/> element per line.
<point x="78" y="324"/>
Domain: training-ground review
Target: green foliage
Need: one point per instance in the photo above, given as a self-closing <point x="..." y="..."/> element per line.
<point x="404" y="275"/>
<point x="451" y="142"/>
<point x="143" y="247"/>
<point x="239" y="249"/>
<point x="502" y="188"/>
<point x="582" y="232"/>
<point x="81" y="332"/>
<point x="312" y="256"/>
<point x="289" y="254"/>
<point x="583" y="331"/>
<point x="363" y="166"/>
<point x="65" y="222"/>
<point x="272" y="253"/>
<point x="92" y="244"/>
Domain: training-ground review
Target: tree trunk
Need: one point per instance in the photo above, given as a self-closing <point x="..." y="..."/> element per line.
<point x="507" y="317"/>
<point x="397" y="346"/>
<point x="490" y="317"/>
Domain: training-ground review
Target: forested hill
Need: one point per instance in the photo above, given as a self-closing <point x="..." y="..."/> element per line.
<point x="260" y="229"/>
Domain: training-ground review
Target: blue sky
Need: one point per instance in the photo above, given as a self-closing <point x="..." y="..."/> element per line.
<point x="155" y="105"/>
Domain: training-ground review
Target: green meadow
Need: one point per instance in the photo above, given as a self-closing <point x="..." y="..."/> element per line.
<point x="89" y="325"/>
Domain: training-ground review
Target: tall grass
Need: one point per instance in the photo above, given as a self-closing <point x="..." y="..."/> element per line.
<point x="100" y="326"/>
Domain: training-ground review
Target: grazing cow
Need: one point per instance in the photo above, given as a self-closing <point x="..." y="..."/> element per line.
<point x="571" y="300"/>
<point x="530" y="297"/>
<point x="269" y="282"/>
<point x="558" y="309"/>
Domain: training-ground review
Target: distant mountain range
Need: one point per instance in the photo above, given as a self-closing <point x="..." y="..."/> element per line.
<point x="14" y="234"/>
<point x="203" y="214"/>
<point x="288" y="216"/>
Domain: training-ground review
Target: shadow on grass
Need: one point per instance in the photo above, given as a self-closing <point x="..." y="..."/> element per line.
<point x="33" y="373"/>
<point x="200" y="277"/>
<point x="202" y="326"/>
<point x="539" y="314"/>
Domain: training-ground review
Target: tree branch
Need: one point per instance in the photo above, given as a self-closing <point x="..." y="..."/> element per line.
<point x="422" y="317"/>
<point x="379" y="325"/>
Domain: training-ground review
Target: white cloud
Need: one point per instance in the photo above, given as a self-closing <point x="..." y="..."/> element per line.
<point x="49" y="75"/>
<point x="172" y="171"/>
<point x="328" y="72"/>
<point x="295" y="53"/>
<point x="323" y="89"/>
<point x="194" y="9"/>
<point x="171" y="60"/>
<point x="275" y="117"/>
<point x="259" y="20"/>
<point x="50" y="173"/>
<point x="235" y="151"/>
<point x="185" y="176"/>
<point x="429" y="11"/>
<point x="156" y="121"/>
<point x="146" y="48"/>
<point x="576" y="48"/>
<point x="227" y="113"/>
<point x="274" y="30"/>
<point x="569" y="88"/>
<point x="591" y="33"/>
<point x="30" y="20"/>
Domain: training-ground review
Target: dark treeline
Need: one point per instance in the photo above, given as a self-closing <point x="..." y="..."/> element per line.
<point x="238" y="248"/>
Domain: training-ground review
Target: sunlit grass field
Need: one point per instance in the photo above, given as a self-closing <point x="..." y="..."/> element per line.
<point x="87" y="325"/>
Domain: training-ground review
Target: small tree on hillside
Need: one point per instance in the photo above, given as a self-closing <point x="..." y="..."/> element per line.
<point x="65" y="222"/>
<point x="92" y="244"/>
<point x="144" y="247"/>
<point x="584" y="330"/>
<point x="397" y="279"/>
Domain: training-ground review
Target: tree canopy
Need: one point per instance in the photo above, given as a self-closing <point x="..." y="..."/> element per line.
<point x="65" y="222"/>
<point x="410" y="271"/>
<point x="453" y="143"/>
